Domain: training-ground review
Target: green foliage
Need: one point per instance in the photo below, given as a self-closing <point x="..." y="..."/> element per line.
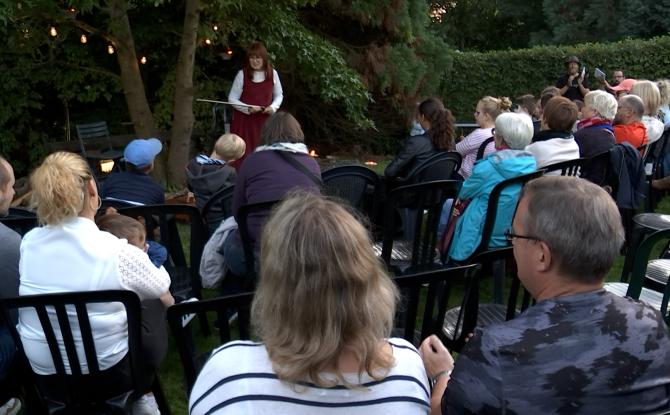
<point x="516" y="72"/>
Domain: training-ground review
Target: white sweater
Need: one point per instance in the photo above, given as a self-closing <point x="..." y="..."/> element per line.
<point x="75" y="256"/>
<point x="553" y="151"/>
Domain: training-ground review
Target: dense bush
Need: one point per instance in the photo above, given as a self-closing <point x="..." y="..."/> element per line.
<point x="515" y="72"/>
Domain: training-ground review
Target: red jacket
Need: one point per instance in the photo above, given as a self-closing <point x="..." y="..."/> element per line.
<point x="635" y="133"/>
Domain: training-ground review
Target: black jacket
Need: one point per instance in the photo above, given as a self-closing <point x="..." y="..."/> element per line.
<point x="593" y="141"/>
<point x="415" y="150"/>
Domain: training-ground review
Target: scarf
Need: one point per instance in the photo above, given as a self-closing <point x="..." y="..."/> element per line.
<point x="292" y="147"/>
<point x="594" y="122"/>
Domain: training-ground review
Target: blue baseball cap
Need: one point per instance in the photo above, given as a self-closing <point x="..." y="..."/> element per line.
<point x="142" y="152"/>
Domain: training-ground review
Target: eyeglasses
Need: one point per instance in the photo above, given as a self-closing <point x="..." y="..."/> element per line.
<point x="510" y="236"/>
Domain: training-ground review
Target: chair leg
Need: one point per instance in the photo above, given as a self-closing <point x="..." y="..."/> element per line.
<point x="161" y="400"/>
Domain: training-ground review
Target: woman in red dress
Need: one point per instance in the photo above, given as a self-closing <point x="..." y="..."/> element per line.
<point x="258" y="85"/>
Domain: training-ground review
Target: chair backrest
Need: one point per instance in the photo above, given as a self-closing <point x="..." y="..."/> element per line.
<point x="61" y="315"/>
<point x="353" y="184"/>
<point x="597" y="169"/>
<point x="96" y="129"/>
<point x="640" y="262"/>
<point x="243" y="228"/>
<point x="435" y="291"/>
<point x="20" y="220"/>
<point x="440" y="166"/>
<point x="218" y="208"/>
<point x="171" y="225"/>
<point x="567" y="168"/>
<point x="425" y="201"/>
<point x="492" y="208"/>
<point x="179" y="318"/>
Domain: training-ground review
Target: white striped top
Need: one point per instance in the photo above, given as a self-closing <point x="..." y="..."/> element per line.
<point x="238" y="379"/>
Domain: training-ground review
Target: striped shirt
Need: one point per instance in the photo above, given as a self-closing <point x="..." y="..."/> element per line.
<point x="238" y="379"/>
<point x="468" y="147"/>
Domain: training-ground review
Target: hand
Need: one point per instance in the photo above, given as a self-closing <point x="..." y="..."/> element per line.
<point x="580" y="80"/>
<point x="255" y="109"/>
<point x="167" y="299"/>
<point x="436" y="357"/>
<point x="571" y="78"/>
<point x="268" y="110"/>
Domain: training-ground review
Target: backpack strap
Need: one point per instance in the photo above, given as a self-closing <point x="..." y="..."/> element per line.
<point x="482" y="148"/>
<point x="301" y="167"/>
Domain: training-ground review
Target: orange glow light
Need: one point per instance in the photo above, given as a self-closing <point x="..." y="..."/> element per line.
<point x="313" y="153"/>
<point x="371" y="163"/>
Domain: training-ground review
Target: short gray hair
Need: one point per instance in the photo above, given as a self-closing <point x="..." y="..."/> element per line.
<point x="635" y="103"/>
<point x="579" y="222"/>
<point x="604" y="103"/>
<point x="515" y="129"/>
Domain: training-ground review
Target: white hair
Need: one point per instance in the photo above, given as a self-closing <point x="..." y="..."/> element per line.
<point x="604" y="103"/>
<point x="515" y="129"/>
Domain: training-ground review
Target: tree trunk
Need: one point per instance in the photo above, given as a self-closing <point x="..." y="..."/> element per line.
<point x="131" y="79"/>
<point x="182" y="125"/>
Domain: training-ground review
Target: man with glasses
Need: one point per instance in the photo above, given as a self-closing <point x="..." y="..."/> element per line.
<point x="579" y="349"/>
<point x="617" y="75"/>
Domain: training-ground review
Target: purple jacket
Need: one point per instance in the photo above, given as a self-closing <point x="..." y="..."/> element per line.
<point x="265" y="176"/>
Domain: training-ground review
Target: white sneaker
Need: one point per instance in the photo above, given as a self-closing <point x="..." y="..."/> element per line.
<point x="146" y="405"/>
<point x="11" y="407"/>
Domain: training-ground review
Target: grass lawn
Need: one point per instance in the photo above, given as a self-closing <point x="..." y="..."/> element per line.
<point x="171" y="374"/>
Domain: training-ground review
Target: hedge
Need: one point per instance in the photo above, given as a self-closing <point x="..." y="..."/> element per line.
<point x="516" y="72"/>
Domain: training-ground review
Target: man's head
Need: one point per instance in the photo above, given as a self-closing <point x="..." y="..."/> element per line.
<point x="140" y="153"/>
<point x="572" y="64"/>
<point x="617" y="76"/>
<point x="631" y="109"/>
<point x="6" y="186"/>
<point x="559" y="114"/>
<point x="566" y="232"/>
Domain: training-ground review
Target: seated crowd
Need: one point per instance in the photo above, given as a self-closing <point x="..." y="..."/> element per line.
<point x="324" y="304"/>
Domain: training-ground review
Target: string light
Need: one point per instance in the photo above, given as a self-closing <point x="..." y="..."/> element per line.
<point x="229" y="52"/>
<point x="53" y="32"/>
<point x="72" y="9"/>
<point x="83" y="38"/>
<point x="208" y="41"/>
<point x="216" y="28"/>
<point x="110" y="49"/>
<point x="143" y="61"/>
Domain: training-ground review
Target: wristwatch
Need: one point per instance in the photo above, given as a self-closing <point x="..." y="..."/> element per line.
<point x="438" y="375"/>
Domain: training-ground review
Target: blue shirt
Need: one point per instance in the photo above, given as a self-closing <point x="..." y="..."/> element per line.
<point x="134" y="187"/>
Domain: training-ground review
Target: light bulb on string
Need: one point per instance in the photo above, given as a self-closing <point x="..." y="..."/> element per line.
<point x="216" y="28"/>
<point x="53" y="32"/>
<point x="229" y="52"/>
<point x="143" y="60"/>
<point x="83" y="38"/>
<point x="208" y="41"/>
<point x="110" y="49"/>
<point x="72" y="9"/>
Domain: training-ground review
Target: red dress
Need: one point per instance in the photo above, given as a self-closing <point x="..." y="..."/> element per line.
<point x="248" y="126"/>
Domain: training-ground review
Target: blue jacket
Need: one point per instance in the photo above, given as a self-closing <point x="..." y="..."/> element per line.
<point x="487" y="173"/>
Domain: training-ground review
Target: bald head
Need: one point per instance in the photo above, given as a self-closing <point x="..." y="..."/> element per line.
<point x="634" y="103"/>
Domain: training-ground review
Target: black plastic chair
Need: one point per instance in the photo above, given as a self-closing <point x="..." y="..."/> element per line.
<point x="97" y="130"/>
<point x="424" y="202"/>
<point x="654" y="168"/>
<point x="353" y="184"/>
<point x="658" y="297"/>
<point x="242" y="217"/>
<point x="20" y="220"/>
<point x="161" y="222"/>
<point x="498" y="311"/>
<point x="192" y="360"/>
<point x="437" y="288"/>
<point x="218" y="208"/>
<point x="567" y="168"/>
<point x="440" y="166"/>
<point x="78" y="392"/>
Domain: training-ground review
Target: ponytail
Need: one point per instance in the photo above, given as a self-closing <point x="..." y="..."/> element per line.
<point x="442" y="132"/>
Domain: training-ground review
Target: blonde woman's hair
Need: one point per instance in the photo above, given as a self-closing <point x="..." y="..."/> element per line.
<point x="495" y="106"/>
<point x="651" y="97"/>
<point x="322" y="292"/>
<point x="59" y="187"/>
<point x="602" y="102"/>
<point x="230" y="147"/>
<point x="664" y="89"/>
